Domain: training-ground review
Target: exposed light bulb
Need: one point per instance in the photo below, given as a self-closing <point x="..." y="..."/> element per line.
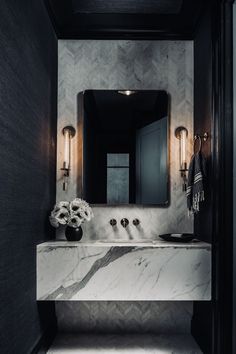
<point x="183" y="159"/>
<point x="67" y="141"/>
<point x="181" y="133"/>
<point x="69" y="133"/>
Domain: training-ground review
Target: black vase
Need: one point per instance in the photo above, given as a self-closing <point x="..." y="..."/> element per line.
<point x="73" y="233"/>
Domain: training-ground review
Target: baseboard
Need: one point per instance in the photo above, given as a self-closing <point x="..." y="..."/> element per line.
<point x="46" y="340"/>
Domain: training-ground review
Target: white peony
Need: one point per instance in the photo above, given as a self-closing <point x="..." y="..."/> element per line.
<point x="81" y="208"/>
<point x="75" y="221"/>
<point x="60" y="215"/>
<point x="60" y="205"/>
<point x="78" y="203"/>
<point x="64" y="205"/>
<point x="75" y="205"/>
<point x="72" y="213"/>
<point x="53" y="221"/>
<point x="85" y="214"/>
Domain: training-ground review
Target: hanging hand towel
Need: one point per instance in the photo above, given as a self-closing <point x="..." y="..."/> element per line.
<point x="195" y="188"/>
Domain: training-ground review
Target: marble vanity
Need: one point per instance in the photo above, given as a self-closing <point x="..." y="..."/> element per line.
<point x="123" y="270"/>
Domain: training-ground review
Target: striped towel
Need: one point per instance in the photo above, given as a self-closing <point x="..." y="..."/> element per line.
<point x="195" y="186"/>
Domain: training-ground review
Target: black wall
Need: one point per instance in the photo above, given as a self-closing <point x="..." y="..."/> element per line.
<point x="203" y="122"/>
<point x="203" y="116"/>
<point x="214" y="110"/>
<point x="234" y="177"/>
<point x="28" y="96"/>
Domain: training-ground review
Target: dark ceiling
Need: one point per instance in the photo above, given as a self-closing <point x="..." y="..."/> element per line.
<point x="174" y="19"/>
<point x="127" y="6"/>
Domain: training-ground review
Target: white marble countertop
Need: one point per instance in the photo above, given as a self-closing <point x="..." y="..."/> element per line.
<point x="195" y="244"/>
<point x="123" y="270"/>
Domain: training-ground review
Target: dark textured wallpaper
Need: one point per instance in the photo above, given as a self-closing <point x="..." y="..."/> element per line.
<point x="202" y="311"/>
<point x="28" y="95"/>
<point x="203" y="118"/>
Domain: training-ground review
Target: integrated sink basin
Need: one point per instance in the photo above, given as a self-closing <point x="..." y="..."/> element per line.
<point x="120" y="243"/>
<point x="124" y="241"/>
<point x="123" y="270"/>
<point x="160" y="243"/>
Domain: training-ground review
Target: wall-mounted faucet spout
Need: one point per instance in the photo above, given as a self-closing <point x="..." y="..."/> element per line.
<point x="124" y="222"/>
<point x="136" y="222"/>
<point x="113" y="222"/>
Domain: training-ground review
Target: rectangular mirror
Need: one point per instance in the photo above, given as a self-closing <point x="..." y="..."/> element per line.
<point x="125" y="147"/>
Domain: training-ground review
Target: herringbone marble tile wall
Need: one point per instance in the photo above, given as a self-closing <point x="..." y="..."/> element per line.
<point x="124" y="316"/>
<point x="97" y="64"/>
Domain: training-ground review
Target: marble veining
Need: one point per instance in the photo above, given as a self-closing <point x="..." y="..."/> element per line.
<point x="98" y="64"/>
<point x="122" y="64"/>
<point x="104" y="271"/>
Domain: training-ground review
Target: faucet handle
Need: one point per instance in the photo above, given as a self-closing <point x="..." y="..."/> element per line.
<point x="113" y="222"/>
<point x="124" y="222"/>
<point x="136" y="222"/>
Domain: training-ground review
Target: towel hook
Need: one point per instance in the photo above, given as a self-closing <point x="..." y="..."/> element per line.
<point x="198" y="137"/>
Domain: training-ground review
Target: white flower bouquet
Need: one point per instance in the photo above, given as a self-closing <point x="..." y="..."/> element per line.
<point x="72" y="214"/>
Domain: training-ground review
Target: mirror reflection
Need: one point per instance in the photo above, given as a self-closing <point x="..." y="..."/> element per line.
<point x="125" y="147"/>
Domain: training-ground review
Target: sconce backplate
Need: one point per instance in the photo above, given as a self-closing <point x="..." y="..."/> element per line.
<point x="71" y="130"/>
<point x="178" y="131"/>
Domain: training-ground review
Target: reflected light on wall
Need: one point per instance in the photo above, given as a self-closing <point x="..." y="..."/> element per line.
<point x="69" y="133"/>
<point x="181" y="133"/>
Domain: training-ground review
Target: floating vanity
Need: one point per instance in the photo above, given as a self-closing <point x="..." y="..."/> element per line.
<point x="152" y="270"/>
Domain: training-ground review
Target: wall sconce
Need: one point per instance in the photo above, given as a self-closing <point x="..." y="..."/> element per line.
<point x="181" y="133"/>
<point x="69" y="133"/>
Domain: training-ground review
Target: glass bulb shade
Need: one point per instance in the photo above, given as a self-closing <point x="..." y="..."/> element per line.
<point x="67" y="147"/>
<point x="183" y="146"/>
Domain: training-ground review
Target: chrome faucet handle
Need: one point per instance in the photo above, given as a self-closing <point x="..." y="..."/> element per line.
<point x="124" y="222"/>
<point x="136" y="222"/>
<point x="113" y="222"/>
